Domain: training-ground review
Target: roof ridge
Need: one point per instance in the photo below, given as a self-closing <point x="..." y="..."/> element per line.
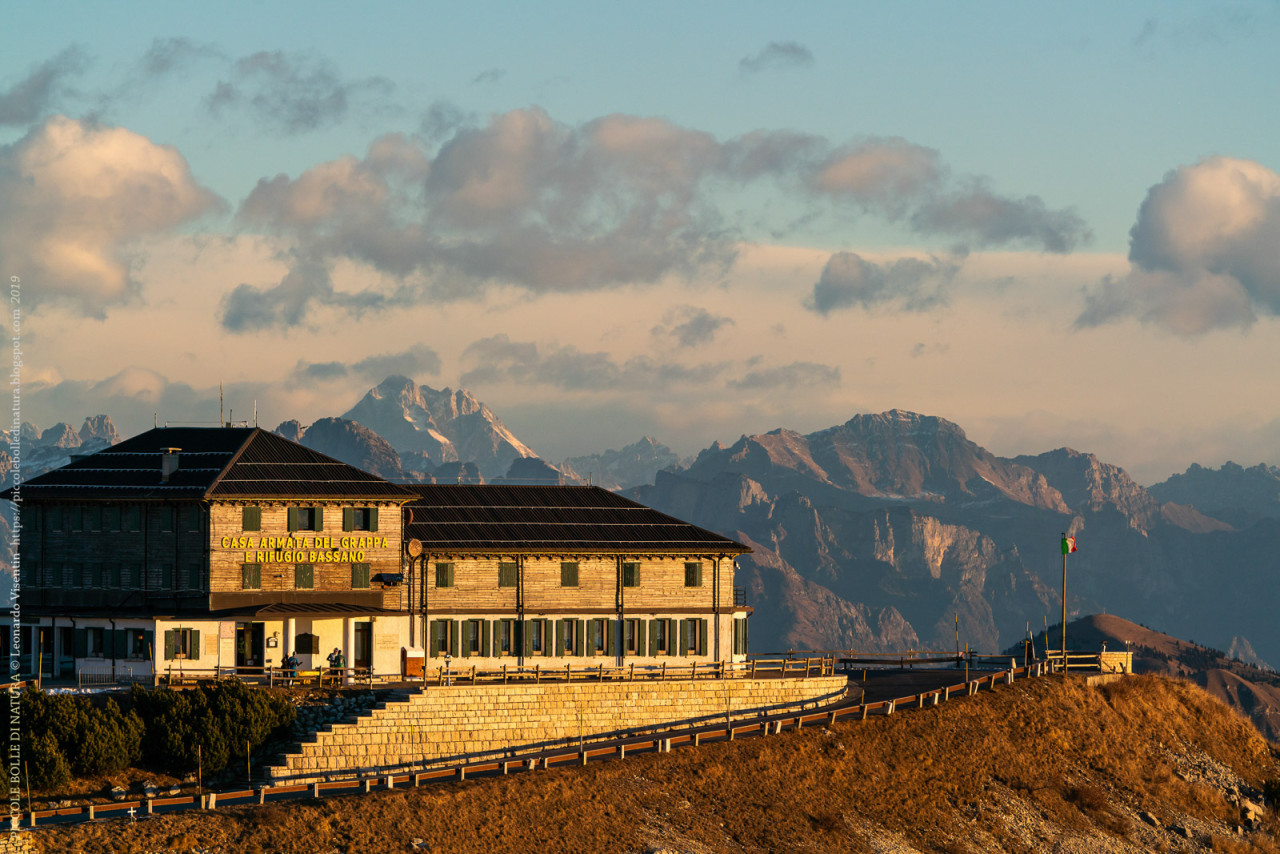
<point x="234" y="457"/>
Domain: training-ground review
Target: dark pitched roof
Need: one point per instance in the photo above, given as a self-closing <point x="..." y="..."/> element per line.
<point x="563" y="519"/>
<point x="214" y="463"/>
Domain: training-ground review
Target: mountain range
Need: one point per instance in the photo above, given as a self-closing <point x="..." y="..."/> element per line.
<point x="886" y="532"/>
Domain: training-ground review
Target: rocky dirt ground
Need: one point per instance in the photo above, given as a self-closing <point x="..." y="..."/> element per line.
<point x="1145" y="764"/>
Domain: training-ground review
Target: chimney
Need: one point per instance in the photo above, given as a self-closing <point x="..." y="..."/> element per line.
<point x="168" y="463"/>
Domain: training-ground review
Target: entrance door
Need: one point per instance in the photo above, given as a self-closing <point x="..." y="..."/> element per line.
<point x="249" y="643"/>
<point x="363" y="657"/>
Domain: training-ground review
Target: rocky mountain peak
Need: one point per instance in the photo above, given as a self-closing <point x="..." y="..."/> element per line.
<point x="99" y="427"/>
<point x="1088" y="484"/>
<point x="60" y="435"/>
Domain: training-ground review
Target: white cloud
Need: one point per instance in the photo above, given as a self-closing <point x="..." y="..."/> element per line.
<point x="74" y="200"/>
<point x="1202" y="252"/>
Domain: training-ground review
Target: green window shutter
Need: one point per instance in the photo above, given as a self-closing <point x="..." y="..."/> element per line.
<point x="640" y="637"/>
<point x="348" y="518"/>
<point x="653" y="638"/>
<point x="580" y="636"/>
<point x="77" y="574"/>
<point x="170" y="644"/>
<point x="464" y="651"/>
<point x="293" y="518"/>
<point x="611" y="637"/>
<point x="433" y="645"/>
<point x="120" y="644"/>
<point x="319" y="519"/>
<point x="684" y="638"/>
<point x="359" y="576"/>
<point x="373" y="518"/>
<point x="702" y="637"/>
<point x="116" y="575"/>
<point x="526" y="637"/>
<point x="549" y="637"/>
<point x="252" y="520"/>
<point x="453" y="636"/>
<point x="149" y="644"/>
<point x="631" y="574"/>
<point x="444" y="574"/>
<point x="746" y="636"/>
<point x="569" y="573"/>
<point x="560" y="638"/>
<point x="507" y="574"/>
<point x="484" y="638"/>
<point x="693" y="574"/>
<point x="82" y="643"/>
<point x="304" y="576"/>
<point x="195" y="645"/>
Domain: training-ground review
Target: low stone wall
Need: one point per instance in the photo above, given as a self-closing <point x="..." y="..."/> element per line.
<point x="481" y="721"/>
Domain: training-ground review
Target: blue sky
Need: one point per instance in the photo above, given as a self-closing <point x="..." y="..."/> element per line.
<point x="1051" y="225"/>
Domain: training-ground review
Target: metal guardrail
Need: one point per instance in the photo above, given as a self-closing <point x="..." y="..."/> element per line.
<point x="739" y="597"/>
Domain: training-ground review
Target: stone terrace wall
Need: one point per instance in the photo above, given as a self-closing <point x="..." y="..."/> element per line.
<point x="453" y="722"/>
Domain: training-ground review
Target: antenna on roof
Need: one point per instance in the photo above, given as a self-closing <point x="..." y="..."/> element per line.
<point x="155" y="419"/>
<point x="221" y="420"/>
<point x="255" y="413"/>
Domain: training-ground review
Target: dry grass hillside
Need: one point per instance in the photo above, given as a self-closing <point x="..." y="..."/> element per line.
<point x="1252" y="691"/>
<point x="1144" y="764"/>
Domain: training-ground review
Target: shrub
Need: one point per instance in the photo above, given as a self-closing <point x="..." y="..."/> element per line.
<point x="49" y="768"/>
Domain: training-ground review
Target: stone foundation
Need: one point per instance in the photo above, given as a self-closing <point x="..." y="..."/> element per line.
<point x="465" y="722"/>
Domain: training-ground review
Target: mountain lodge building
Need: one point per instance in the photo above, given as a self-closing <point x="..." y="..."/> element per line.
<point x="209" y="548"/>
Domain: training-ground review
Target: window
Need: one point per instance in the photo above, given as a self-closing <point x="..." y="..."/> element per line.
<point x="251" y="576"/>
<point x="507" y="573"/>
<point x="305" y="518"/>
<point x="359" y="576"/>
<point x="111" y="517"/>
<point x="444" y="637"/>
<point x="115" y="575"/>
<point x="597" y="636"/>
<point x="56" y="517"/>
<point x="77" y="574"/>
<point x="693" y="574"/>
<point x="133" y="575"/>
<point x="471" y="637"/>
<point x="740" y="637"/>
<point x="631" y="574"/>
<point x="193" y="575"/>
<point x="304" y="576"/>
<point x="632" y="637"/>
<point x="571" y="639"/>
<point x="307" y="644"/>
<point x="93" y="518"/>
<point x="94" y="646"/>
<point x="182" y="644"/>
<point x="506" y="636"/>
<point x="166" y="519"/>
<point x="359" y="518"/>
<point x="659" y="643"/>
<point x="690" y="635"/>
<point x="252" y="520"/>
<point x="95" y="575"/>
<point x="137" y="643"/>
<point x="569" y="573"/>
<point x="166" y="576"/>
<point x="75" y="518"/>
<point x="190" y="516"/>
<point x="132" y="518"/>
<point x="536" y="629"/>
<point x="444" y="574"/>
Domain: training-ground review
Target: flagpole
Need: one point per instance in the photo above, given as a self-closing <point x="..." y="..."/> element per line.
<point x="1064" y="604"/>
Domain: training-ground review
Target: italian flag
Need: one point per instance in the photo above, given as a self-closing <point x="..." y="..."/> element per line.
<point x="1068" y="545"/>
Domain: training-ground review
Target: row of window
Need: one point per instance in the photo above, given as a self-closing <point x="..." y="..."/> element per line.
<point x="568" y="637"/>
<point x="312" y="518"/>
<point x="304" y="576"/>
<point x="508" y="574"/>
<point x="119" y="517"/>
<point x="99" y="642"/>
<point x="112" y="576"/>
